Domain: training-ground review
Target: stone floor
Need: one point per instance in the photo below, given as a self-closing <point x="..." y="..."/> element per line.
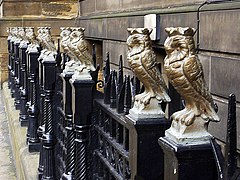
<point x="7" y="167"/>
<point x="26" y="163"/>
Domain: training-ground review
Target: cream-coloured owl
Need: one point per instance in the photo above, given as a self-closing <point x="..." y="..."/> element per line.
<point x="184" y="71"/>
<point x="65" y="40"/>
<point x="142" y="60"/>
<point x="47" y="40"/>
<point x="79" y="47"/>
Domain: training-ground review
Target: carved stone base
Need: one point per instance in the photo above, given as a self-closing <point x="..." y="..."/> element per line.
<point x="193" y="134"/>
<point x="70" y="66"/>
<point x="188" y="162"/>
<point x="83" y="74"/>
<point x="152" y="110"/>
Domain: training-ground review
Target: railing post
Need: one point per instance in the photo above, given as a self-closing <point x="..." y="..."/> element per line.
<point x="41" y="128"/>
<point x="70" y="137"/>
<point x="33" y="140"/>
<point x="12" y="61"/>
<point x="9" y="30"/>
<point x="17" y="71"/>
<point x="48" y="138"/>
<point x="231" y="142"/>
<point x="23" y="115"/>
<point x="82" y="107"/>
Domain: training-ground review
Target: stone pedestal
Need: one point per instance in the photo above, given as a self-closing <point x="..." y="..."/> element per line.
<point x="188" y="161"/>
<point x="144" y="143"/>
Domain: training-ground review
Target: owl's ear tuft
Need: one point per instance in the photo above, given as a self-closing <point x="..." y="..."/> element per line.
<point x="130" y="30"/>
<point x="82" y="29"/>
<point x="188" y="31"/>
<point x="168" y="30"/>
<point x="147" y="31"/>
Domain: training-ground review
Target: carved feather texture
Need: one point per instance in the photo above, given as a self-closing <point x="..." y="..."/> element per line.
<point x="47" y="40"/>
<point x="142" y="61"/>
<point x="79" y="48"/>
<point x="65" y="41"/>
<point x="184" y="71"/>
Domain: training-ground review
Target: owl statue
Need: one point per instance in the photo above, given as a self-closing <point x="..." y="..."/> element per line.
<point x="18" y="36"/>
<point x="65" y="42"/>
<point x="79" y="48"/>
<point x="47" y="40"/>
<point x="9" y="31"/>
<point x="65" y="39"/>
<point x="14" y="34"/>
<point x="31" y="37"/>
<point x="184" y="71"/>
<point x="143" y="62"/>
<point x="39" y="36"/>
<point x="22" y="34"/>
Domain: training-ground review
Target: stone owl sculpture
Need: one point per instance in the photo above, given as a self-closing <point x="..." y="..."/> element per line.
<point x="24" y="42"/>
<point x="142" y="60"/>
<point x="30" y="35"/>
<point x="79" y="48"/>
<point x="65" y="39"/>
<point x="65" y="43"/>
<point x="47" y="40"/>
<point x="9" y="32"/>
<point x="184" y="71"/>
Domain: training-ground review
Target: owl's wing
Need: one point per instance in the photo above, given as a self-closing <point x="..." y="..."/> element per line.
<point x="84" y="54"/>
<point x="75" y="51"/>
<point x="193" y="71"/>
<point x="151" y="67"/>
<point x="50" y="44"/>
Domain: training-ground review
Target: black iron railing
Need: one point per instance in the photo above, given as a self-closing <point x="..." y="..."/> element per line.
<point x="82" y="133"/>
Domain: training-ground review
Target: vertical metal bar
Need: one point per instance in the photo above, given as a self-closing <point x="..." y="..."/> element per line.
<point x="231" y="143"/>
<point x="128" y="96"/>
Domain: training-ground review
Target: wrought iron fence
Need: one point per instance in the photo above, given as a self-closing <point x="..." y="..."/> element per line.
<point x="82" y="133"/>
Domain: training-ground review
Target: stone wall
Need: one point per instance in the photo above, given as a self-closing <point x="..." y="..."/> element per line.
<point x="35" y="13"/>
<point x="25" y="8"/>
<point x="106" y="21"/>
